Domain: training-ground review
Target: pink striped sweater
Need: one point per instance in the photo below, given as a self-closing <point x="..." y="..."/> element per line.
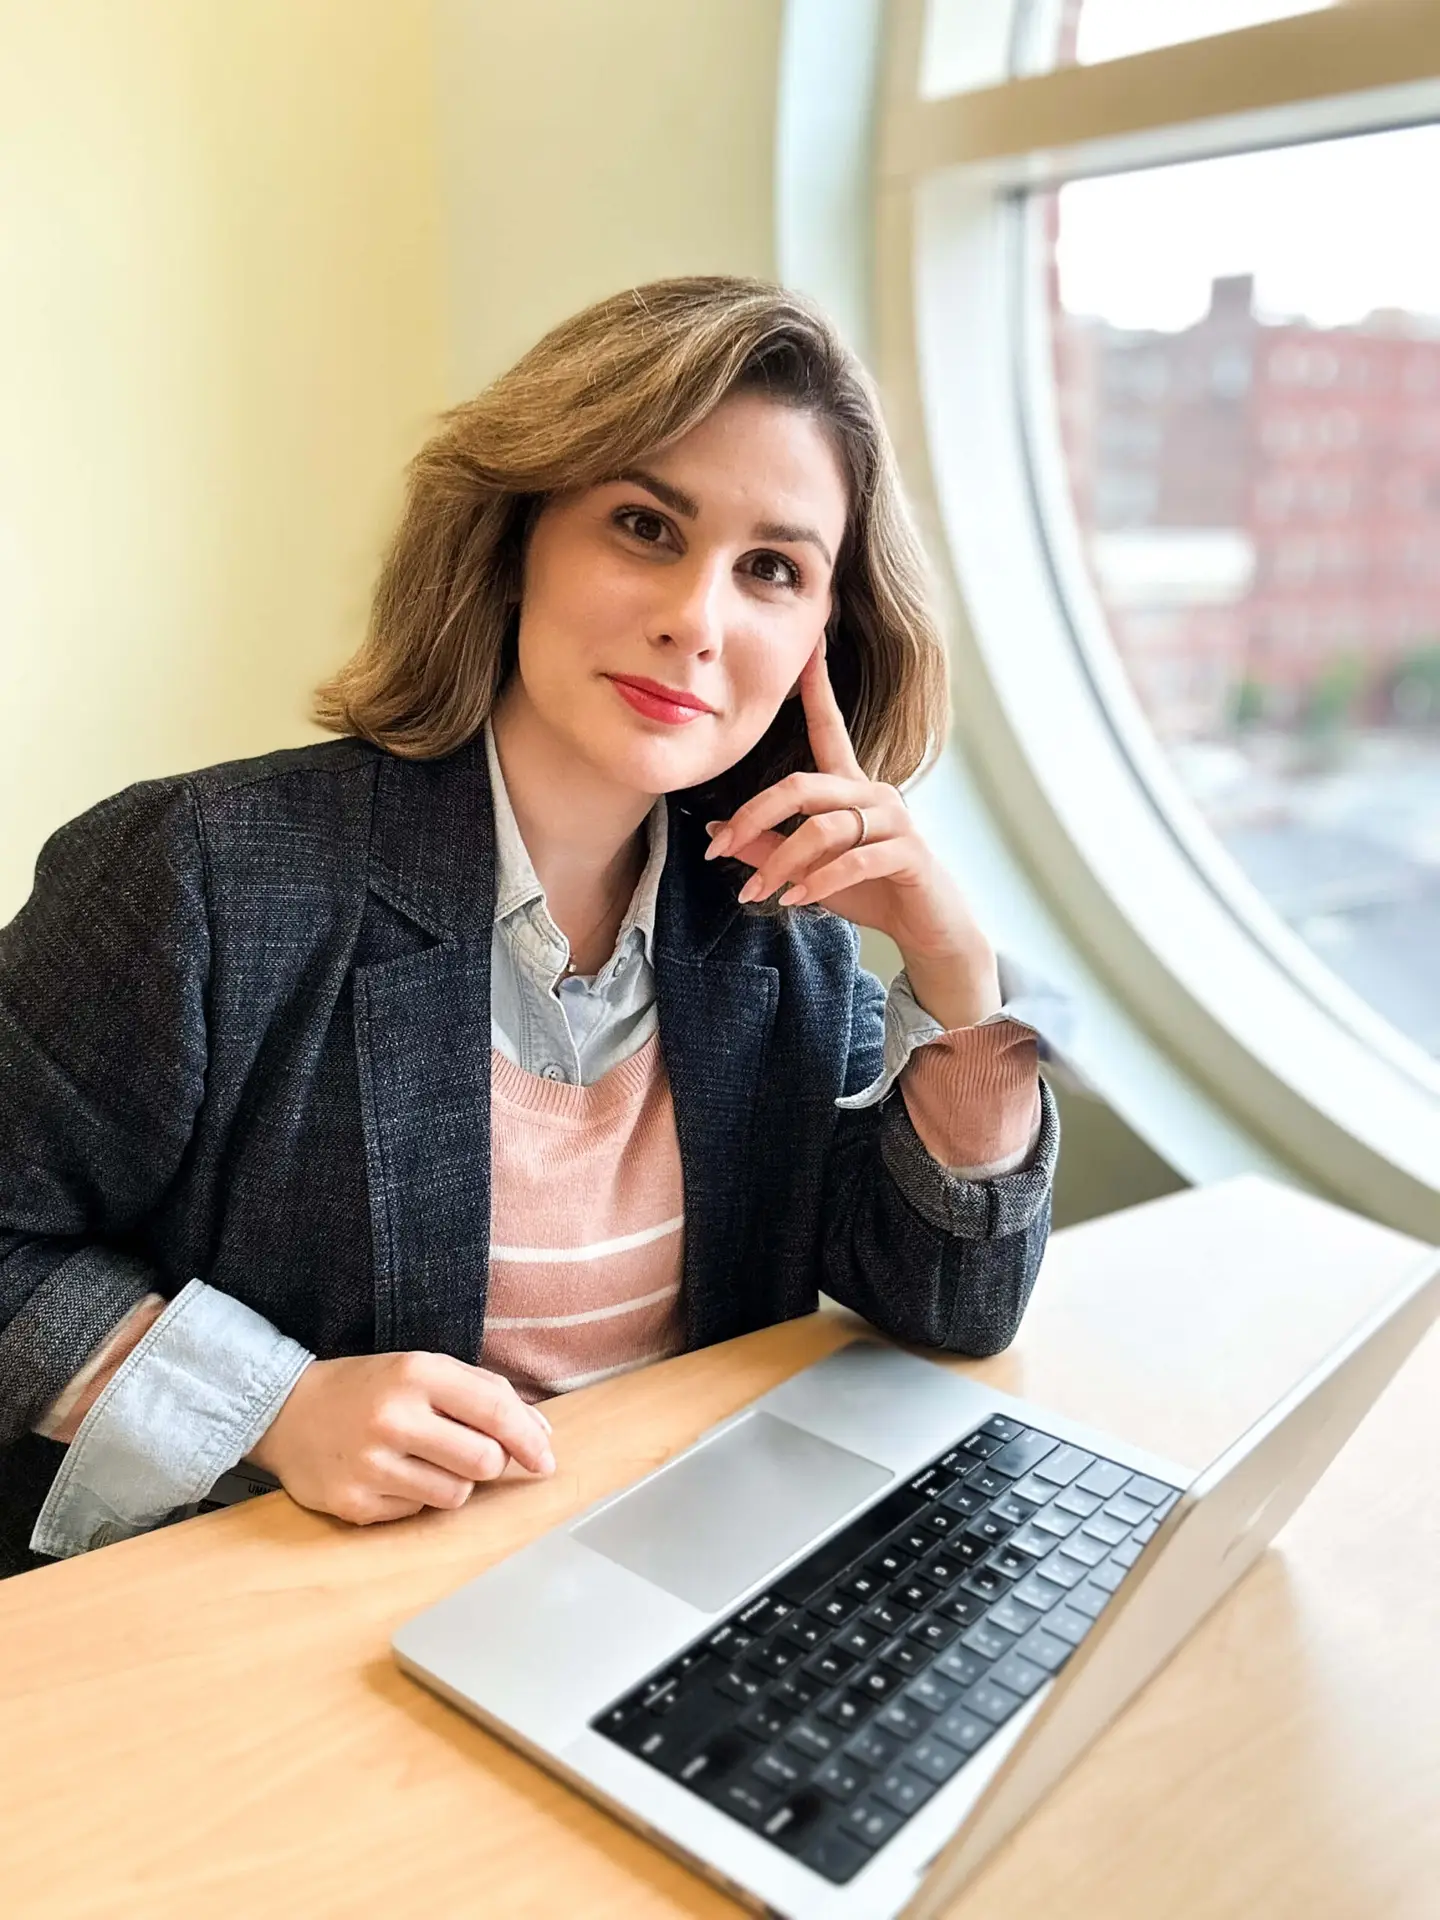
<point x="588" y="1211"/>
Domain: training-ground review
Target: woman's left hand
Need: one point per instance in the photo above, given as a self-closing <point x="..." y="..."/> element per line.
<point x="892" y="882"/>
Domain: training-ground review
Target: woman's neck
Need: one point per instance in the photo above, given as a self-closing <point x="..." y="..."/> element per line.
<point x="584" y="836"/>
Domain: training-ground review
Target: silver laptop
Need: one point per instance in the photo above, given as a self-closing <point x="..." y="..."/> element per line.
<point x="832" y="1653"/>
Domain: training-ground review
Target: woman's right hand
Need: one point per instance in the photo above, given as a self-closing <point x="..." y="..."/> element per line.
<point x="379" y="1436"/>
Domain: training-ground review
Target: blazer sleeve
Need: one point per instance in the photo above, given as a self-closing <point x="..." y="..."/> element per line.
<point x="102" y="1069"/>
<point x="925" y="1254"/>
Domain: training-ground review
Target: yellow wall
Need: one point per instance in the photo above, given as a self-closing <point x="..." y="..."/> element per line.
<point x="248" y="248"/>
<point x="221" y="334"/>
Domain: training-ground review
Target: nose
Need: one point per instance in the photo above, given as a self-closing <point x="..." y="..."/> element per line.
<point x="691" y="615"/>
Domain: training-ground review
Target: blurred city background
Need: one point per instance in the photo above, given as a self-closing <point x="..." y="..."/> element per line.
<point x="1247" y="355"/>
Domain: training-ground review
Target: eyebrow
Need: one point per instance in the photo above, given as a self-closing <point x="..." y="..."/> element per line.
<point x="681" y="503"/>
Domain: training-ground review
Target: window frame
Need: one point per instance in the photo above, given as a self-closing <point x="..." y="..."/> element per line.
<point x="1044" y="712"/>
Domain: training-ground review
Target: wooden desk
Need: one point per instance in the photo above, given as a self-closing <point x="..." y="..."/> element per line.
<point x="207" y="1721"/>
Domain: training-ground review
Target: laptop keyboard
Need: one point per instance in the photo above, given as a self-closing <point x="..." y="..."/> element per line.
<point x="828" y="1709"/>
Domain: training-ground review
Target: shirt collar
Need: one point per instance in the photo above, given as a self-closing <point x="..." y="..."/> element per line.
<point x="517" y="884"/>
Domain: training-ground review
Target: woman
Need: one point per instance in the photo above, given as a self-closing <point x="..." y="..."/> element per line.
<point x="651" y="645"/>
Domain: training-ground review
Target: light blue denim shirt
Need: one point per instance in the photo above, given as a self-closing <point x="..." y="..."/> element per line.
<point x="203" y="1385"/>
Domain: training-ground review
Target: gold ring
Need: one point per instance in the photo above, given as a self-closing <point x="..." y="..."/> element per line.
<point x="859" y="813"/>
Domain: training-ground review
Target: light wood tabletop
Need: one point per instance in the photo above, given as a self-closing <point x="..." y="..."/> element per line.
<point x="207" y="1721"/>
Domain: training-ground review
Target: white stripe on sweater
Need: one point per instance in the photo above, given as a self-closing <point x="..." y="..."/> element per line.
<point x="603" y="1373"/>
<point x="597" y="1250"/>
<point x="579" y="1319"/>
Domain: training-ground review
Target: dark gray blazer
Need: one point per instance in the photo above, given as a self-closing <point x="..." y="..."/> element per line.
<point x="245" y="1036"/>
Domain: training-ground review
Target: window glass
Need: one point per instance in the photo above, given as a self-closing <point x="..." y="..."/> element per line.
<point x="1247" y="354"/>
<point x="1090" y="30"/>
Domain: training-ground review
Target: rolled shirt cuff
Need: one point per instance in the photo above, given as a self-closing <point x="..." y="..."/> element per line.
<point x="186" y="1405"/>
<point x="1025" y="998"/>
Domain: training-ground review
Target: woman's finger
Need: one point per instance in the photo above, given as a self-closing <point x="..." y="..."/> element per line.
<point x="822" y="838"/>
<point x="796" y="793"/>
<point x="829" y="736"/>
<point x="861" y="863"/>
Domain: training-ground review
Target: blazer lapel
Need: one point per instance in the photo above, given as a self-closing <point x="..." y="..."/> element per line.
<point x="716" y="1012"/>
<point x="422" y="1037"/>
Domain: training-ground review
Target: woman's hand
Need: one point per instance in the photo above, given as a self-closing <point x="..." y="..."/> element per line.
<point x="893" y="882"/>
<point x="379" y="1436"/>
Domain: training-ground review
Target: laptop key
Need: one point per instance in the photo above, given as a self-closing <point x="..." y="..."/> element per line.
<point x="767" y="1719"/>
<point x="1036" y="1591"/>
<point x="988" y="1582"/>
<point x="981" y="1445"/>
<point x="890" y="1614"/>
<point x="877" y="1682"/>
<point x="773" y="1656"/>
<point x="907" y="1657"/>
<point x="1012" y="1616"/>
<point x="712" y="1760"/>
<point x="1104" y="1526"/>
<point x="1146" y="1530"/>
<point x="1014" y="1511"/>
<point x="1089" y="1599"/>
<point x="1002" y="1428"/>
<point x="1032" y="1540"/>
<point x="792" y="1823"/>
<point x="1064" y="1465"/>
<point x="1018" y="1674"/>
<point x="903" y="1718"/>
<point x="963" y="1729"/>
<point x="1076" y="1500"/>
<point x="935" y="1758"/>
<point x="989" y="1642"/>
<point x="986" y="1482"/>
<point x="963" y="1499"/>
<point x="962" y="1666"/>
<point x="943" y="1567"/>
<point x="829" y="1664"/>
<point x="1016" y="1458"/>
<point x="750" y="1801"/>
<point x="989" y="1527"/>
<point x="1104" y="1478"/>
<point x="860" y="1638"/>
<point x="1044" y="1649"/>
<point x="797" y="1690"/>
<point x="1068" y="1624"/>
<point x="835" y="1607"/>
<point x="871" y="1822"/>
<point x="903" y="1790"/>
<point x="1061" y="1570"/>
<point x="1128" y="1552"/>
<point x="962" y="1608"/>
<point x="841" y="1777"/>
<point x="933" y="1692"/>
<point x="915" y="1595"/>
<point x="933" y="1633"/>
<point x="990" y="1702"/>
<point x="804" y="1630"/>
<point x="779" y="1769"/>
<point x="1122" y="1507"/>
<point x="1010" y="1561"/>
<point x="815" y="1741"/>
<point x="740" y="1686"/>
<point x="1055" y="1521"/>
<point x="863" y="1585"/>
<point x="890" y="1564"/>
<point x="847" y="1711"/>
<point x="872" y="1748"/>
<point x="1085" y="1548"/>
<point x="932" y="1482"/>
<point x="1150" y="1491"/>
<point x="1110" y="1575"/>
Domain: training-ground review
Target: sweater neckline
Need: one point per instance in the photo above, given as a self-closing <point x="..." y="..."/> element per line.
<point x="531" y="1093"/>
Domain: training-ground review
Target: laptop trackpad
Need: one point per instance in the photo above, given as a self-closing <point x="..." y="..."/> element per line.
<point x="716" y="1521"/>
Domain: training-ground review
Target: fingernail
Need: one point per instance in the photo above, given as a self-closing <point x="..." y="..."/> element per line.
<point x="792" y="897"/>
<point x="541" y="1418"/>
<point x="751" y="889"/>
<point x="720" y="844"/>
<point x="547" y="1461"/>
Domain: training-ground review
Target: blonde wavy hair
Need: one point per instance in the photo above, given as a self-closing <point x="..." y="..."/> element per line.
<point x="599" y="392"/>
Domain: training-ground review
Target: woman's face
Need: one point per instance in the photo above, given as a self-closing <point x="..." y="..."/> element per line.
<point x="705" y="570"/>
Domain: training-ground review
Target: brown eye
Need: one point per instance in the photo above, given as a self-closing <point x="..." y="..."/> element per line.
<point x="792" y="576"/>
<point x="646" y="526"/>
